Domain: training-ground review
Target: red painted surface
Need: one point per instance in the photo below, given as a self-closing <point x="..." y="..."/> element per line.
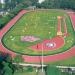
<point x="34" y="59"/>
<point x="51" y="58"/>
<point x="59" y="25"/>
<point x="38" y="47"/>
<point x="65" y="28"/>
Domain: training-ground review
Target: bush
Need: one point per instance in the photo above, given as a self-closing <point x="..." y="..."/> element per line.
<point x="18" y="59"/>
<point x="29" y="69"/>
<point x="4" y="20"/>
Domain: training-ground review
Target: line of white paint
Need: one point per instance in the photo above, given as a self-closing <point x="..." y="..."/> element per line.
<point x="72" y="22"/>
<point x="42" y="58"/>
<point x="38" y="65"/>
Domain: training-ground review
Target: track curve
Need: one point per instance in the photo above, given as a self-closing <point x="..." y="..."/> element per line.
<point x="33" y="59"/>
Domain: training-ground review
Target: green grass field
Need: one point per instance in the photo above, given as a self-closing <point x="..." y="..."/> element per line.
<point x="25" y="73"/>
<point x="19" y="73"/>
<point x="33" y="72"/>
<point x="38" y="24"/>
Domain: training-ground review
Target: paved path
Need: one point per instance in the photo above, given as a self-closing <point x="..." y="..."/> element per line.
<point x="41" y="73"/>
<point x="39" y="65"/>
<point x="34" y="59"/>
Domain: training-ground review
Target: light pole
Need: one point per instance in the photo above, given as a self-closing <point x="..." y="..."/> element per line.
<point x="42" y="58"/>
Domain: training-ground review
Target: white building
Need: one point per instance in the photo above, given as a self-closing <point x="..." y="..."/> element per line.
<point x="40" y="1"/>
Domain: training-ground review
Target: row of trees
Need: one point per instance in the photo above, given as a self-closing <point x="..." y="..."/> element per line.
<point x="65" y="4"/>
<point x="13" y="7"/>
<point x="9" y="66"/>
<point x="11" y="4"/>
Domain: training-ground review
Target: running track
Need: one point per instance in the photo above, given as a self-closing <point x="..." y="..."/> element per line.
<point x="36" y="59"/>
<point x="65" y="28"/>
<point x="59" y="24"/>
<point x="45" y="48"/>
<point x="6" y="28"/>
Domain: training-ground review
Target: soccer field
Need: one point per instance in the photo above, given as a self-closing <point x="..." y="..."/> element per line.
<point x="41" y="28"/>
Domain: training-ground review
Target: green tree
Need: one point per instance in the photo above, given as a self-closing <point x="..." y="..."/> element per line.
<point x="18" y="59"/>
<point x="6" y="66"/>
<point x="65" y="4"/>
<point x="7" y="70"/>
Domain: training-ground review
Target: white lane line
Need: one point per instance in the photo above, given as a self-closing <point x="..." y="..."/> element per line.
<point x="42" y="59"/>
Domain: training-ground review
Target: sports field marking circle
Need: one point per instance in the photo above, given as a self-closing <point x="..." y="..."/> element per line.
<point x="50" y="44"/>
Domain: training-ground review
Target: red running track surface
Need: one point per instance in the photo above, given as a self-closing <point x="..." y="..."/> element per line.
<point x="6" y="28"/>
<point x="38" y="47"/>
<point x="59" y="25"/>
<point x="33" y="59"/>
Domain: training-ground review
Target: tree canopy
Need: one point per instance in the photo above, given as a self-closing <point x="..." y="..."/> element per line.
<point x="65" y="4"/>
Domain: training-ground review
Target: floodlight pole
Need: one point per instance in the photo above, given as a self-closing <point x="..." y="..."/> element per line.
<point x="42" y="58"/>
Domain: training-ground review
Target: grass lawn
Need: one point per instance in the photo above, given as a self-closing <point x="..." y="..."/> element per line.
<point x="67" y="74"/>
<point x="38" y="24"/>
<point x="25" y="73"/>
<point x="34" y="73"/>
<point x="67" y="62"/>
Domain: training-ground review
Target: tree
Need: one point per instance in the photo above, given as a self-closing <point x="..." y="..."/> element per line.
<point x="7" y="70"/>
<point x="4" y="20"/>
<point x="1" y="65"/>
<point x="65" y="4"/>
<point x="6" y="66"/>
<point x="18" y="59"/>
